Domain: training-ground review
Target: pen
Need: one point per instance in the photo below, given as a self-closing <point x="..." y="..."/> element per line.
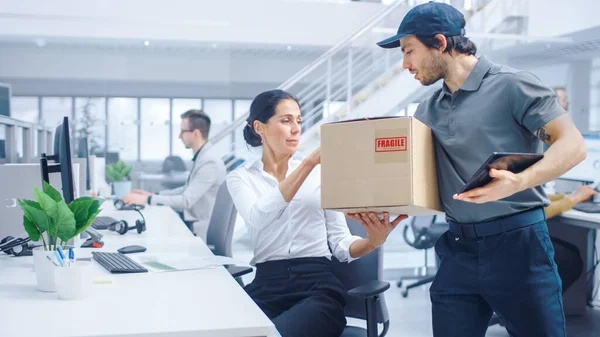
<point x="71" y="256"/>
<point x="60" y="260"/>
<point x="49" y="259"/>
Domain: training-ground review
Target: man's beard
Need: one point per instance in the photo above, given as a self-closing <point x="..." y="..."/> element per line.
<point x="436" y="69"/>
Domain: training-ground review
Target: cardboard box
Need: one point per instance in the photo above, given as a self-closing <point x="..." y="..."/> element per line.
<point x="382" y="164"/>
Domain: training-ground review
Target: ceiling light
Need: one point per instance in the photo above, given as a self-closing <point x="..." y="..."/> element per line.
<point x="289" y="48"/>
<point x="146" y="43"/>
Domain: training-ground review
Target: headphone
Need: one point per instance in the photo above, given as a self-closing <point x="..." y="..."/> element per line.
<point x="122" y="227"/>
<point x="122" y="206"/>
<point x="17" y="246"/>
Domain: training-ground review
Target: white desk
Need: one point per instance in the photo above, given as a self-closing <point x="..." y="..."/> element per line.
<point x="589" y="220"/>
<point x="205" y="302"/>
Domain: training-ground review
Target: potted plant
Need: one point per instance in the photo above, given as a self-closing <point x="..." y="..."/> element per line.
<point x="118" y="174"/>
<point x="52" y="221"/>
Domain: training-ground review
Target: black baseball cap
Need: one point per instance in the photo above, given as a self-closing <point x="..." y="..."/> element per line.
<point x="427" y="19"/>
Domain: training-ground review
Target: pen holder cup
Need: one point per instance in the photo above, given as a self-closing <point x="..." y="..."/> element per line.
<point x="74" y="282"/>
<point x="44" y="270"/>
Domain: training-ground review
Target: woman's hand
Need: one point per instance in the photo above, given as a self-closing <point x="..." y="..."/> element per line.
<point x="314" y="158"/>
<point x="377" y="229"/>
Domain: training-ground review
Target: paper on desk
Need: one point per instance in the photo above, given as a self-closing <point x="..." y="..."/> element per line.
<point x="177" y="262"/>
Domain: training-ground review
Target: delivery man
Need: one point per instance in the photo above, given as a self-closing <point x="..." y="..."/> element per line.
<point x="497" y="254"/>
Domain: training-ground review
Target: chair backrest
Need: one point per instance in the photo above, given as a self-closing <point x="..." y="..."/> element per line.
<point x="173" y="163"/>
<point x="419" y="226"/>
<point x="222" y="223"/>
<point x="358" y="272"/>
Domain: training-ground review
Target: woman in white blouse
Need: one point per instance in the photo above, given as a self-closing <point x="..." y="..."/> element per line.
<point x="293" y="239"/>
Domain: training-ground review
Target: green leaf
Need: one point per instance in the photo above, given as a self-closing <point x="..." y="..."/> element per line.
<point x="50" y="208"/>
<point x="65" y="222"/>
<point x="31" y="229"/>
<point x="83" y="209"/>
<point x="34" y="213"/>
<point x="52" y="192"/>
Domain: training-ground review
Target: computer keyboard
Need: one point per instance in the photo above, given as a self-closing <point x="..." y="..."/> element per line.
<point x="118" y="263"/>
<point x="588" y="207"/>
<point x="102" y="222"/>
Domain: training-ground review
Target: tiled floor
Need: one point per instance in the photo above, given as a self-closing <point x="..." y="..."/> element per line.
<point x="411" y="316"/>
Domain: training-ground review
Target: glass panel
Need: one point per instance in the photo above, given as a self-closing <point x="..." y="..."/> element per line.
<point x="54" y="109"/>
<point x="180" y="106"/>
<point x="122" y="127"/>
<point x="25" y="109"/>
<point x="90" y="122"/>
<point x="155" y="129"/>
<point x="219" y="111"/>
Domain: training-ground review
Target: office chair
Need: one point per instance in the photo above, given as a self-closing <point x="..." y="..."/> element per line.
<point x="362" y="280"/>
<point x="234" y="164"/>
<point x="227" y="158"/>
<point x="171" y="164"/>
<point x="219" y="235"/>
<point x="426" y="231"/>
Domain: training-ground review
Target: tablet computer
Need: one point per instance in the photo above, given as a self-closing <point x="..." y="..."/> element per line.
<point x="513" y="162"/>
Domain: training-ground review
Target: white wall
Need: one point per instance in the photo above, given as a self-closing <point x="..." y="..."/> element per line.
<point x="294" y="22"/>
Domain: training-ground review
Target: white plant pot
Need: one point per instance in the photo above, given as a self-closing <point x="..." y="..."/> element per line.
<point x="122" y="188"/>
<point x="44" y="269"/>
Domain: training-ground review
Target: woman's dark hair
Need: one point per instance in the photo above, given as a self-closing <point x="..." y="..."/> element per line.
<point x="262" y="109"/>
<point x="459" y="43"/>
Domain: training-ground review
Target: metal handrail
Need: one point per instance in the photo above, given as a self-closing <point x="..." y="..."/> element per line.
<point x="314" y="65"/>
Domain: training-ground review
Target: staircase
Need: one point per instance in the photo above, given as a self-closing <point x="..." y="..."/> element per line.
<point x="356" y="78"/>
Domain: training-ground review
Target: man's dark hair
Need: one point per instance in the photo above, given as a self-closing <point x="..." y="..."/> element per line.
<point x="459" y="43"/>
<point x="198" y="120"/>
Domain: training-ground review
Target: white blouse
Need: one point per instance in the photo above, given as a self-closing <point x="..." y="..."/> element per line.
<point x="285" y="230"/>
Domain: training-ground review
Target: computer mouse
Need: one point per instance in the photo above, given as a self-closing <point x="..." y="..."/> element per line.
<point x="131" y="249"/>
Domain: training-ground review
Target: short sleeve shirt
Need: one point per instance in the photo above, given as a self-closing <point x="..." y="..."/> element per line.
<point x="497" y="109"/>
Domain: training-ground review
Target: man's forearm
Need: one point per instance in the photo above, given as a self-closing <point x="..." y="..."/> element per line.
<point x="562" y="155"/>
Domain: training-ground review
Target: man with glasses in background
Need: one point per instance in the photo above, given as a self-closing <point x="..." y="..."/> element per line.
<point x="196" y="198"/>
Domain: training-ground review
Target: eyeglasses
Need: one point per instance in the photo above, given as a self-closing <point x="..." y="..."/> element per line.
<point x="182" y="131"/>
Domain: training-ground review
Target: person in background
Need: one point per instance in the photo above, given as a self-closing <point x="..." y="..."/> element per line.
<point x="293" y="239"/>
<point x="196" y="198"/>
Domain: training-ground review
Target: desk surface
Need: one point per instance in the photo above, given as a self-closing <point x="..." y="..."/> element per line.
<point x="205" y="302"/>
<point x="590" y="220"/>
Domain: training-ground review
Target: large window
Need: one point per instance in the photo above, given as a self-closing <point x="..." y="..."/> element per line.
<point x="123" y="127"/>
<point x="25" y="109"/>
<point x="90" y="121"/>
<point x="595" y="96"/>
<point x="220" y="113"/>
<point x="54" y="109"/>
<point x="180" y="106"/>
<point x="155" y="128"/>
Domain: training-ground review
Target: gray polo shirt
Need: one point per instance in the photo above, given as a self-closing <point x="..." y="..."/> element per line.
<point x="496" y="109"/>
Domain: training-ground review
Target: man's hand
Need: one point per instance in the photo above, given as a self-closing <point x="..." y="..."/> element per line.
<point x="377" y="229"/>
<point x="505" y="184"/>
<point x="135" y="198"/>
<point x="142" y="192"/>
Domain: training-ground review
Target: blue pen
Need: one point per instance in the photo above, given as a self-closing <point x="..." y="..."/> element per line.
<point x="60" y="251"/>
<point x="59" y="258"/>
<point x="71" y="256"/>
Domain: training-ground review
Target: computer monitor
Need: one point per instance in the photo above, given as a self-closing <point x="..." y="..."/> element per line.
<point x="111" y="157"/>
<point x="82" y="152"/>
<point x="589" y="169"/>
<point x="63" y="162"/>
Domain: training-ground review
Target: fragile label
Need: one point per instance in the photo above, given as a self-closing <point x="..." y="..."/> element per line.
<point x="390" y="144"/>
